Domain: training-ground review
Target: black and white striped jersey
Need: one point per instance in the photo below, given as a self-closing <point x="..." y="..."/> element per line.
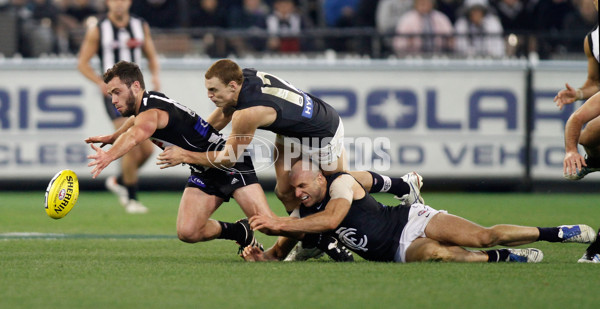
<point x="118" y="44"/>
<point x="185" y="128"/>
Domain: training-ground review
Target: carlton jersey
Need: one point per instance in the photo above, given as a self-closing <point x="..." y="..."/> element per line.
<point x="299" y="114"/>
<point x="370" y="229"/>
<point x="118" y="44"/>
<point x="185" y="128"/>
<point x="593" y="42"/>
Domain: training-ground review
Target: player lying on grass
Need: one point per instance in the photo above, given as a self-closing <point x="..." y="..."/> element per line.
<point x="167" y="122"/>
<point x="338" y="206"/>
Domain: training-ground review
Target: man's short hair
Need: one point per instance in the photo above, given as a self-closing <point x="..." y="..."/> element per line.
<point x="226" y="71"/>
<point x="127" y="72"/>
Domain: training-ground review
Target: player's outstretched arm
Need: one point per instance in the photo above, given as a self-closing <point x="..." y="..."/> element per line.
<point x="145" y="124"/>
<point x="111" y="138"/>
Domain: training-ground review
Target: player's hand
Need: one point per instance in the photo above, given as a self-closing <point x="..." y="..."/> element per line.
<point x="572" y="164"/>
<point x="171" y="156"/>
<point x="253" y="254"/>
<point x="104" y="139"/>
<point x="101" y="160"/>
<point x="565" y="96"/>
<point x="265" y="224"/>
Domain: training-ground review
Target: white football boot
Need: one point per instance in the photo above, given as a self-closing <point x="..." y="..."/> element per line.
<point x="120" y="191"/>
<point x="415" y="182"/>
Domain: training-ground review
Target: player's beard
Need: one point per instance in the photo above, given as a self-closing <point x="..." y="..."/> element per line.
<point x="129" y="105"/>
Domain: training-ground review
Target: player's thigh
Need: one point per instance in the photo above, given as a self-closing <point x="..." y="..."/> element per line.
<point x="451" y="229"/>
<point x="590" y="136"/>
<point x="195" y="208"/>
<point x="423" y="249"/>
<point x="339" y="165"/>
<point x="252" y="200"/>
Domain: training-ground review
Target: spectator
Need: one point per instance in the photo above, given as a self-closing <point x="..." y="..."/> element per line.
<point x="479" y="32"/>
<point x="158" y="13"/>
<point x="208" y="14"/>
<point x="423" y="30"/>
<point x="451" y="8"/>
<point x="389" y="12"/>
<point x="251" y="17"/>
<point x="549" y="20"/>
<point x="516" y="18"/>
<point x="284" y="25"/>
<point x="73" y="20"/>
<point x="341" y="14"/>
<point x="578" y="23"/>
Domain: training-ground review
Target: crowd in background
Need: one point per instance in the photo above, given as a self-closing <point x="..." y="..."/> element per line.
<point x="218" y="28"/>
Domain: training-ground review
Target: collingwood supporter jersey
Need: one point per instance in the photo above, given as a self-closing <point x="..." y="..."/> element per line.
<point x="118" y="44"/>
<point x="185" y="128"/>
<point x="370" y="229"/>
<point x="299" y="114"/>
<point x="593" y="42"/>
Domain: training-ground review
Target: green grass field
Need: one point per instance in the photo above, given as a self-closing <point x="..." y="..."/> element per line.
<point x="101" y="257"/>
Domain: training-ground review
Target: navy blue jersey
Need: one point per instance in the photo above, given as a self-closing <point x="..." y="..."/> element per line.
<point x="370" y="229"/>
<point x="185" y="128"/>
<point x="299" y="114"/>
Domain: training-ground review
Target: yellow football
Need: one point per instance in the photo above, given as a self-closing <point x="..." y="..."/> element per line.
<point x="61" y="194"/>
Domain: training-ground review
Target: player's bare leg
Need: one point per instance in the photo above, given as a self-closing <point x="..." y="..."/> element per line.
<point x="252" y="200"/>
<point x="590" y="138"/>
<point x="426" y="249"/>
<point x="193" y="219"/>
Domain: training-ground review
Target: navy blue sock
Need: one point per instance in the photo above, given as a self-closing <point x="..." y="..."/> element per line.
<point x="498" y="255"/>
<point x="382" y="183"/>
<point x="549" y="234"/>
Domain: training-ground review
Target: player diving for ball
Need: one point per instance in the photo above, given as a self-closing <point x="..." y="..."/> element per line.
<point x="338" y="206"/>
<point x="154" y="116"/>
<point x="251" y="100"/>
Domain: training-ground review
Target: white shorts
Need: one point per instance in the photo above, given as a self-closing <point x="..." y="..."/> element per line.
<point x="418" y="218"/>
<point x="324" y="155"/>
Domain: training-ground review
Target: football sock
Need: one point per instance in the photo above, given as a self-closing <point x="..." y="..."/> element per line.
<point x="594" y="248"/>
<point x="232" y="231"/>
<point x="549" y="234"/>
<point x="499" y="255"/>
<point x="592" y="161"/>
<point x="132" y="192"/>
<point x="382" y="183"/>
<point x="131" y="189"/>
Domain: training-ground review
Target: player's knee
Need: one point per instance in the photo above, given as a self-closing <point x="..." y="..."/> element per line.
<point x="284" y="195"/>
<point x="437" y="253"/>
<point x="190" y="235"/>
<point x="488" y="237"/>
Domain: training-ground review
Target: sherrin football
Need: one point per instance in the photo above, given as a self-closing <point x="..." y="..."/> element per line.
<point x="61" y="194"/>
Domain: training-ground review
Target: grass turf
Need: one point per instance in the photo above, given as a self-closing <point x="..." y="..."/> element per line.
<point x="104" y="258"/>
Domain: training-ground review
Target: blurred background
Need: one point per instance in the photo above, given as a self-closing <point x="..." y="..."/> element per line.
<point x="465" y="99"/>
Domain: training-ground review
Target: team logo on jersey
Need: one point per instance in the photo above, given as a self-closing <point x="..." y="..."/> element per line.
<point x="348" y="237"/>
<point x="197" y="181"/>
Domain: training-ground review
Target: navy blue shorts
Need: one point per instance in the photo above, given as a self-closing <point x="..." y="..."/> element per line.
<point x="223" y="182"/>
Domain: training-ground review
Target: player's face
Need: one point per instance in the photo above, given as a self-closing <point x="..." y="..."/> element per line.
<point x="308" y="188"/>
<point x="122" y="97"/>
<point x="118" y="7"/>
<point x="219" y="93"/>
